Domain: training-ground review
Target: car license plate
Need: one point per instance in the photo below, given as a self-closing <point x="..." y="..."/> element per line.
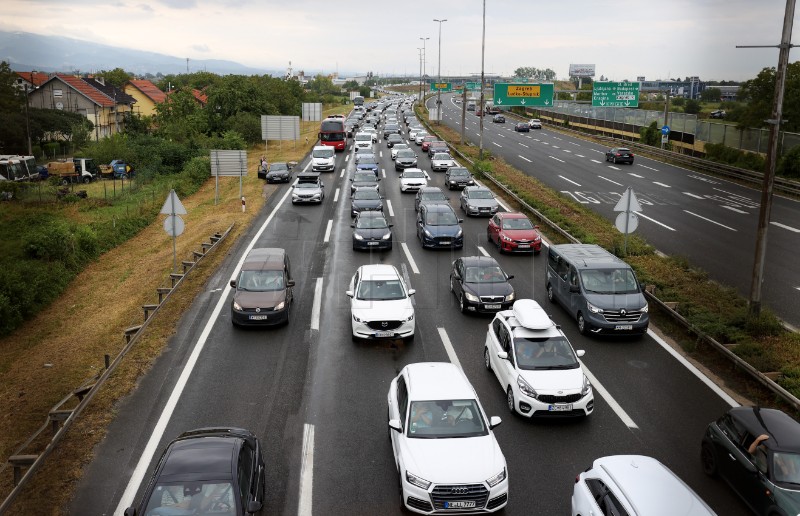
<point x="459" y="505"/>
<point x="623" y="327"/>
<point x="493" y="307"/>
<point x="373" y="243"/>
<point x="524" y="246"/>
<point x="258" y="317"/>
<point x="384" y="334"/>
<point x="445" y="242"/>
<point x="561" y="407"/>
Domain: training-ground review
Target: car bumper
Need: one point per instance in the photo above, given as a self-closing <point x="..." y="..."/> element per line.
<point x="362" y="331"/>
<point x="529" y="407"/>
<point x="322" y="168"/>
<point x="442" y="242"/>
<point x="372" y="244"/>
<point x="477" y="212"/>
<point x="599" y="325"/>
<point x="402" y="166"/>
<point x="426" y="501"/>
<point x="264" y="318"/>
<point x="307" y="200"/>
<point x="451" y="184"/>
<point x="481" y="307"/>
<point x="515" y="247"/>
<point x="410" y="188"/>
<point x="277" y="179"/>
<point x="440" y="168"/>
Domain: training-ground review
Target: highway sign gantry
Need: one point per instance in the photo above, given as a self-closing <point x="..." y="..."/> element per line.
<point x="442" y="86"/>
<point x="472" y="86"/>
<point x="615" y="94"/>
<point x="528" y="94"/>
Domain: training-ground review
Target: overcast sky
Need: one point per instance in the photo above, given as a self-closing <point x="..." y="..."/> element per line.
<point x="623" y="38"/>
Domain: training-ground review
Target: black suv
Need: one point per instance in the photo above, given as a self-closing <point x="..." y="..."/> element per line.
<point x="458" y="177"/>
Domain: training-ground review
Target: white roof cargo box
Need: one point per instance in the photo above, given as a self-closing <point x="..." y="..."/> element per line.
<point x="530" y="315"/>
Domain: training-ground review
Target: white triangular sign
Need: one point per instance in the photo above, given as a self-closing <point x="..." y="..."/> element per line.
<point x="173" y="205"/>
<point x="623" y="205"/>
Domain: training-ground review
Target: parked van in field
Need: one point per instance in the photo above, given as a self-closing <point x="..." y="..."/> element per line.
<point x="597" y="288"/>
<point x="262" y="292"/>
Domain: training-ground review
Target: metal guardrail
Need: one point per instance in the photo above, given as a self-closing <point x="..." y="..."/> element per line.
<point x="767" y="382"/>
<point x="88" y="389"/>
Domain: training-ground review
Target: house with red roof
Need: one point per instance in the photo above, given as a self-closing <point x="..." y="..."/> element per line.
<point x="147" y="96"/>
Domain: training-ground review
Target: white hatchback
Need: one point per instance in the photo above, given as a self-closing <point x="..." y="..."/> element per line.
<point x="380" y="304"/>
<point x="412" y="179"/>
<point x="362" y="141"/>
<point x="535" y="364"/>
<point x="444" y="449"/>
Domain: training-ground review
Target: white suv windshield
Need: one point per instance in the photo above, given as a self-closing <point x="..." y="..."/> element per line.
<point x="380" y="290"/>
<point x="323" y="153"/>
<point x="445" y="418"/>
<point x="544" y="354"/>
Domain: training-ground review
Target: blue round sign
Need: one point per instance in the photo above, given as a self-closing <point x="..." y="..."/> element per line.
<point x="665" y="129"/>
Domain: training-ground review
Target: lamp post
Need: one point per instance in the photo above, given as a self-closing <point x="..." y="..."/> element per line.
<point x="424" y="69"/>
<point x="481" y="107"/>
<point x="28" y="120"/>
<point x="420" y="73"/>
<point x="439" y="89"/>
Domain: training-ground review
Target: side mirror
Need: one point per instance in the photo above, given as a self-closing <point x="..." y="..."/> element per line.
<point x="494" y="421"/>
<point x="390" y="225"/>
<point x="580" y="353"/>
<point x="352" y="225"/>
<point x="379" y="179"/>
<point x="253" y="506"/>
<point x="411" y="292"/>
<point x="502" y="355"/>
<point x="351" y="179"/>
<point x="460" y="221"/>
<point x="290" y="283"/>
<point x="394" y="424"/>
<point x="510" y="276"/>
<point x="233" y="283"/>
<point x="349" y="293"/>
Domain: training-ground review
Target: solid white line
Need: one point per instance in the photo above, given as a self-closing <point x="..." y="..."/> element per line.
<point x="304" y="503"/>
<point x="383" y="171"/>
<point x="737" y="211"/>
<point x="596" y="385"/>
<point x="594" y="161"/>
<point x="315" y="306"/>
<point x="688" y="365"/>
<point x="410" y="258"/>
<point x="635" y="175"/>
<point x="661" y="184"/>
<point x="570" y="180"/>
<point x="555" y="158"/>
<point x="580" y="155"/>
<point x="451" y="353"/>
<point x="347" y="158"/>
<point x="790" y="228"/>
<point x="648" y="168"/>
<point x="693" y="195"/>
<point x="639" y="214"/>
<point x="158" y="431"/>
<point x="612" y="167"/>
<point x="709" y="220"/>
<point x="343" y="171"/>
<point x="523" y="157"/>
<point x="524" y="145"/>
<point x="336" y="195"/>
<point x="610" y="181"/>
<point x="389" y="206"/>
<point x="328" y="231"/>
<point x="495" y="143"/>
<point x="483" y="251"/>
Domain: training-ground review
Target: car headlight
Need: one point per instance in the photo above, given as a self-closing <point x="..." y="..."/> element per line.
<point x="358" y="237"/>
<point x="510" y="297"/>
<point x="417" y="481"/>
<point x="493" y="481"/>
<point x="587" y="386"/>
<point x="387" y="236"/>
<point x="525" y="387"/>
<point x="409" y="318"/>
<point x="356" y="319"/>
<point x="506" y="238"/>
<point x="452" y="182"/>
<point x="237" y="306"/>
<point x="460" y="232"/>
<point x="280" y="305"/>
<point x="471" y="297"/>
<point x="646" y="308"/>
<point x="537" y="239"/>
<point x="427" y="233"/>
<point x="594" y="309"/>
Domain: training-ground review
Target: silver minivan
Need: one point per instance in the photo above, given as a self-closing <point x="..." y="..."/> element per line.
<point x="598" y="289"/>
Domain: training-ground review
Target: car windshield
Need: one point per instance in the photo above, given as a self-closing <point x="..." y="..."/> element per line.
<point x="517" y="224"/>
<point x="367" y="160"/>
<point x="441" y="155"/>
<point x="544" y="353"/>
<point x="441" y="218"/>
<point x="394" y="137"/>
<point x="260" y="281"/>
<point x="390" y="127"/>
<point x="433" y="196"/>
<point x="406" y="153"/>
<point x="368" y="177"/>
<point x="278" y="167"/>
<point x="480" y="194"/>
<point x="363" y="137"/>
<point x="485" y="274"/>
<point x="786" y="467"/>
<point x="306" y="185"/>
<point x="401" y="146"/>
<point x="185" y="498"/>
<point x="380" y="290"/>
<point x="621" y="150"/>
<point x="415" y="174"/>
<point x="445" y="419"/>
<point x="368" y="194"/>
<point x="371" y="223"/>
<point x="323" y="153"/>
<point x="609" y="281"/>
<point x="458" y="172"/>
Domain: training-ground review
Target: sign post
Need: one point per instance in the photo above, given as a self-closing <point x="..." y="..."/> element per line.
<point x="615" y="94"/>
<point x="173" y="224"/>
<point x="627" y="221"/>
<point x="528" y="94"/>
<point x="664" y="135"/>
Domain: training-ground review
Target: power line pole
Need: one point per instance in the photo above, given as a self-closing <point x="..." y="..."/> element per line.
<point x="420" y="73"/>
<point x="439" y="89"/>
<point x="424" y="69"/>
<point x="483" y="52"/>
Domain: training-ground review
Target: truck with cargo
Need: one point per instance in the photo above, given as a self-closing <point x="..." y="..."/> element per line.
<point x="76" y="170"/>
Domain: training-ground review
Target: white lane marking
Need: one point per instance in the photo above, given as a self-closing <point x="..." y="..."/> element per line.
<point x="594" y="161"/>
<point x="688" y="365"/>
<point x="648" y="168"/>
<point x="612" y="167"/>
<point x="524" y="145"/>
<point x="501" y="135"/>
<point x="529" y="137"/>
<point x="328" y="231"/>
<point x="537" y="140"/>
<point x="380" y="154"/>
<point x="635" y="175"/>
<point x="158" y="431"/>
<point x="555" y="158"/>
<point x="523" y="157"/>
<point x="545" y="143"/>
<point x="595" y="150"/>
<point x="410" y="258"/>
<point x="784" y="226"/>
<point x="556" y="147"/>
<point x="709" y="220"/>
<point x="573" y="143"/>
<point x="347" y="158"/>
<point x="477" y="134"/>
<point x="610" y="181"/>
<point x="451" y="353"/>
<point x="495" y="143"/>
<point x="342" y="174"/>
<point x="304" y="504"/>
<point x="639" y="214"/>
<point x="336" y="195"/>
<point x="566" y="150"/>
<point x="693" y="195"/>
<point x="483" y="251"/>
<point x="596" y="385"/>
<point x="315" y="306"/>
<point x="580" y="155"/>
<point x="556" y="138"/>
<point x="570" y="180"/>
<point x="734" y="209"/>
<point x="389" y="206"/>
<point x="383" y="171"/>
<point x="661" y="184"/>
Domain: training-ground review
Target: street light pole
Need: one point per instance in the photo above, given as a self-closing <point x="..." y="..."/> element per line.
<point x="28" y="120"/>
<point x="481" y="107"/>
<point x="420" y="73"/>
<point x="439" y="89"/>
<point x="424" y="69"/>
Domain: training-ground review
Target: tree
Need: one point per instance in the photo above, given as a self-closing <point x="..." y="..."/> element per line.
<point x="116" y="77"/>
<point x="759" y="93"/>
<point x="535" y="73"/>
<point x="650" y="135"/>
<point x="585" y="93"/>
<point x="350" y="85"/>
<point x="711" y="95"/>
<point x="692" y="107"/>
<point x="12" y="100"/>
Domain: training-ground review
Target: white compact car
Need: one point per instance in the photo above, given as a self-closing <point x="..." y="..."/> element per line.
<point x="412" y="179"/>
<point x="412" y="133"/>
<point x="396" y="147"/>
<point x="634" y="484"/>
<point x="535" y="123"/>
<point x="441" y="161"/>
<point x="444" y="449"/>
<point x="362" y="141"/>
<point x="372" y="132"/>
<point x="380" y="304"/>
<point x="535" y="364"/>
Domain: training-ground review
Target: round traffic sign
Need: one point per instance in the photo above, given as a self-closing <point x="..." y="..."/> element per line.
<point x="632" y="220"/>
<point x="665" y="129"/>
<point x="174" y="225"/>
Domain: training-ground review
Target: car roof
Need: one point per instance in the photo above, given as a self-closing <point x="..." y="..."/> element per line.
<point x="458" y="169"/>
<point x="370" y="214"/>
<point x="475" y="188"/>
<point x="588" y="255"/>
<point x="430" y="189"/>
<point x="378" y="269"/>
<point x="784" y="431"/>
<point x="527" y="318"/>
<point x="200" y="458"/>
<point x="511" y="215"/>
<point x="264" y="258"/>
<point x="437" y="207"/>
<point x="478" y="261"/>
<point x="437" y="381"/>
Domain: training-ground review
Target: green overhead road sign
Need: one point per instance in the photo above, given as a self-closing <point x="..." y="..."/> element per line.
<point x="472" y="85"/>
<point x="615" y="94"/>
<point x="523" y="94"/>
<point x="442" y="86"/>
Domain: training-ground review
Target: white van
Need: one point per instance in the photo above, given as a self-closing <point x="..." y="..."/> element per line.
<point x="323" y="158"/>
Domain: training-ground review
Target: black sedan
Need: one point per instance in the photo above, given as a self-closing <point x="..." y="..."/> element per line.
<point x="365" y="199"/>
<point x="620" y="155"/>
<point x="206" y="471"/>
<point x="371" y="231"/>
<point x="278" y="172"/>
<point x="499" y="119"/>
<point x="393" y="139"/>
<point x="429" y="195"/>
<point x="480" y="285"/>
<point x="364" y="180"/>
<point x="522" y="127"/>
<point x="757" y="452"/>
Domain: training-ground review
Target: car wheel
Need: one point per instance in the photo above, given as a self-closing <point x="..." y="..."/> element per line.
<point x="486" y="361"/>
<point x="614" y="160"/>
<point x="707" y="459"/>
<point x="461" y="305"/>
<point x="583" y="326"/>
<point x="410" y="338"/>
<point x="510" y="400"/>
<point x="489" y="236"/>
<point x="550" y="294"/>
<point x="64" y="182"/>
<point x="499" y="246"/>
<point x="451" y="284"/>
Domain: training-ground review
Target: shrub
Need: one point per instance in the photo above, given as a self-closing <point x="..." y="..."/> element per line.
<point x="789" y="165"/>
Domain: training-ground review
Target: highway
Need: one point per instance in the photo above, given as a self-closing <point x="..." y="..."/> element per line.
<point x="317" y="400"/>
<point x="685" y="213"/>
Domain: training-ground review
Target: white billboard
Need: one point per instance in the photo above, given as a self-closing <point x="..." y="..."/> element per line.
<point x="228" y="163"/>
<point x="276" y="127"/>
<point x="581" y="70"/>
<point x="312" y="111"/>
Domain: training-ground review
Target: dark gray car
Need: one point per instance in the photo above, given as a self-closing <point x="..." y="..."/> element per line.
<point x="429" y="195"/>
<point x="406" y="158"/>
<point x="365" y="199"/>
<point x="458" y="177"/>
<point x="371" y="231"/>
<point x="364" y="180"/>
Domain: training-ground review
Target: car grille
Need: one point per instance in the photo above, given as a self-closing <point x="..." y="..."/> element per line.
<point x="622" y="316"/>
<point x="305" y="196"/>
<point x="492" y="299"/>
<point x="497" y="501"/>
<point x="421" y="505"/>
<point x="552" y="398"/>
<point x="442" y="240"/>
<point x="384" y="325"/>
<point x="253" y="310"/>
<point x="461" y="492"/>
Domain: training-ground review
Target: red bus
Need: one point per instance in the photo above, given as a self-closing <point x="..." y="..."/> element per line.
<point x="333" y="133"/>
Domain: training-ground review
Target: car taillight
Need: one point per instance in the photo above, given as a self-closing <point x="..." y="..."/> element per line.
<point x="618" y="154"/>
<point x="577" y="478"/>
<point x="630" y="154"/>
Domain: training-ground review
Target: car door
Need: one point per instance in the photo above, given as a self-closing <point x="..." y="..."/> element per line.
<point x="246" y="474"/>
<point x="420" y="218"/>
<point x="506" y="368"/>
<point x="494" y="228"/>
<point x="457" y="278"/>
<point x="398" y="409"/>
<point x="559" y="280"/>
<point x="575" y="298"/>
<point x="494" y="347"/>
